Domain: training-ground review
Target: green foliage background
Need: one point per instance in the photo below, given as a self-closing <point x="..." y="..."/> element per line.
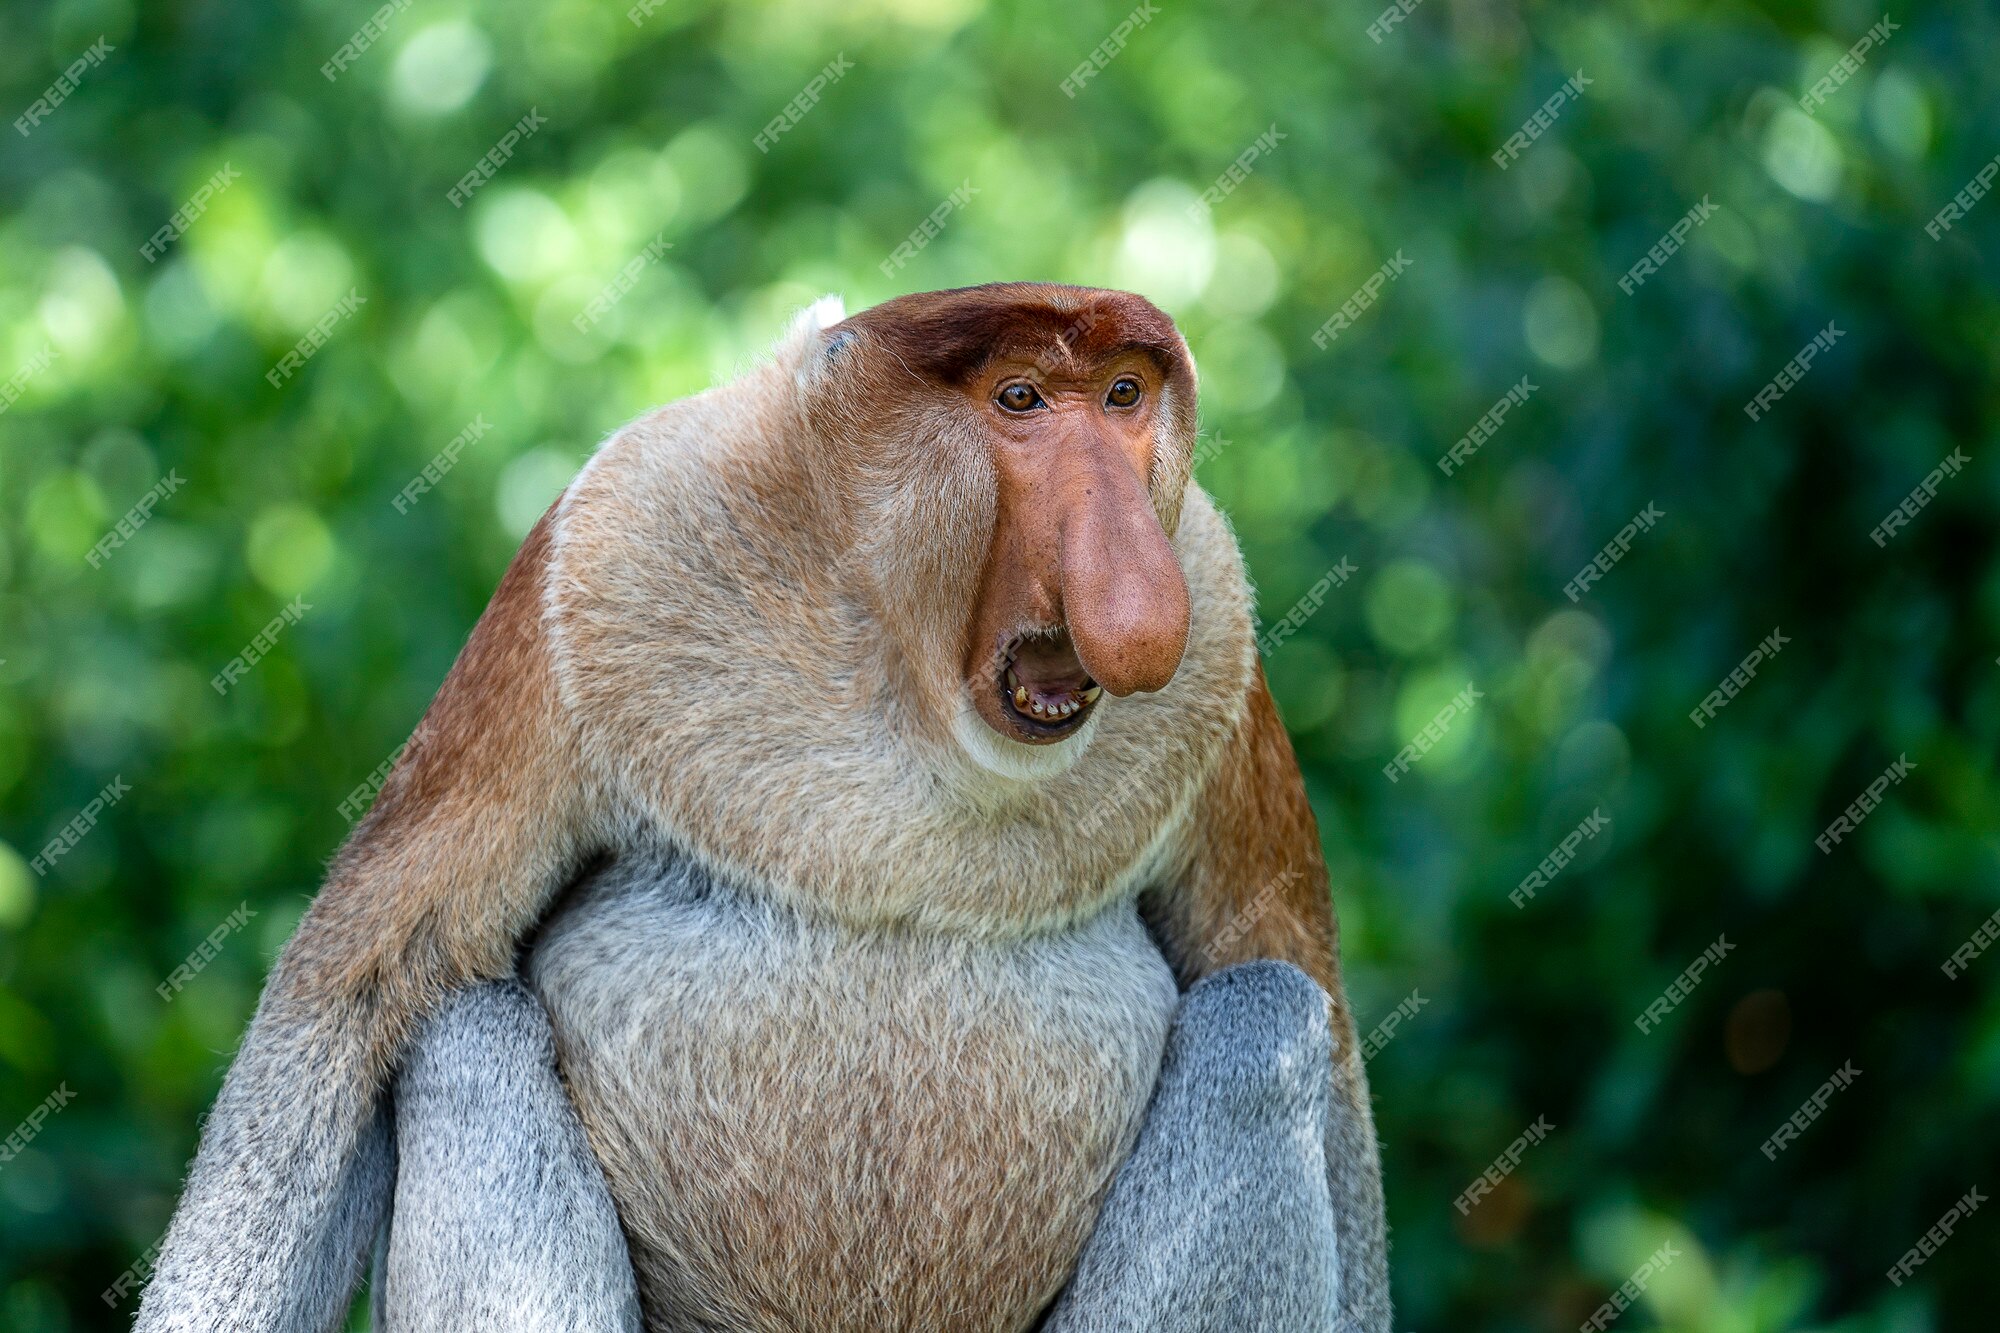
<point x="1316" y="454"/>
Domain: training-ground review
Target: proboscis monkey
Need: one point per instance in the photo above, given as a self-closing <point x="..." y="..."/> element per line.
<point x="867" y="768"/>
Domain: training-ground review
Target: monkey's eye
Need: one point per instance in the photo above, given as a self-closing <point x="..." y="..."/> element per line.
<point x="1019" y="397"/>
<point x="1124" y="392"/>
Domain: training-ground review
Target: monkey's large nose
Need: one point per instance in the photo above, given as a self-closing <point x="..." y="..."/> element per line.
<point x="1125" y="599"/>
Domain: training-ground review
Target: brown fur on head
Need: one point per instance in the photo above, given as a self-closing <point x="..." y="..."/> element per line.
<point x="1072" y="410"/>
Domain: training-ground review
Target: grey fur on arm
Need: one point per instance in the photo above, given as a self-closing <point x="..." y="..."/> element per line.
<point x="502" y="1219"/>
<point x="285" y="1195"/>
<point x="1221" y="1220"/>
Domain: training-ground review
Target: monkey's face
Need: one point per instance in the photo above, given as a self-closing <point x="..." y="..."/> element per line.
<point x="1074" y="408"/>
<point x="1081" y="592"/>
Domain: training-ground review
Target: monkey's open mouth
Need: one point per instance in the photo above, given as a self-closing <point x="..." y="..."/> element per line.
<point x="1044" y="690"/>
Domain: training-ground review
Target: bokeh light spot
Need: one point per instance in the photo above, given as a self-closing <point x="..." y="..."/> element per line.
<point x="289" y="548"/>
<point x="440" y="68"/>
<point x="17" y="891"/>
<point x="1802" y="155"/>
<point x="1560" y="323"/>
<point x="1410" y="606"/>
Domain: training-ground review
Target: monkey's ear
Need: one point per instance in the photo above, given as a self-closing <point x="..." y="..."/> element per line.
<point x="806" y="349"/>
<point x="802" y="338"/>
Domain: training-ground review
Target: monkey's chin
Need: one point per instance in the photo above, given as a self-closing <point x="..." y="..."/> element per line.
<point x="1016" y="759"/>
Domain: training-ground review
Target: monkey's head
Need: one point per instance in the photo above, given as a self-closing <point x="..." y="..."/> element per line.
<point x="920" y="618"/>
<point x="1041" y="437"/>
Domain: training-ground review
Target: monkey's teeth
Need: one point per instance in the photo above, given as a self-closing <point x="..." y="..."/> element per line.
<point x="1047" y="710"/>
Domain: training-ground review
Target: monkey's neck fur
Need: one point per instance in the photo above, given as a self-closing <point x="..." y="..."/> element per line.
<point x="756" y="655"/>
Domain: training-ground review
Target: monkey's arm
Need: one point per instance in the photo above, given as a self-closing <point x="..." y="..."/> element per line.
<point x="502" y="1220"/>
<point x="1220" y="1220"/>
<point x="1252" y="883"/>
<point x="477" y="826"/>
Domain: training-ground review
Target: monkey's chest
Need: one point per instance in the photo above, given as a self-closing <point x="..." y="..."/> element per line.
<point x="812" y="1128"/>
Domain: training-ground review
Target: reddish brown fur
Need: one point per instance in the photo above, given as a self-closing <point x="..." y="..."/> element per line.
<point x="474" y="828"/>
<point x="1252" y="883"/>
<point x="948" y="336"/>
